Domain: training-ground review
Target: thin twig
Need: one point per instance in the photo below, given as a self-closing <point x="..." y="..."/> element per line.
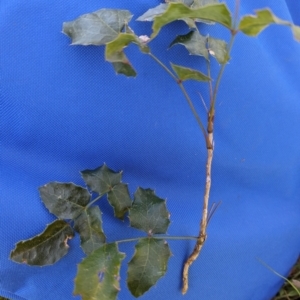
<point x="188" y="99"/>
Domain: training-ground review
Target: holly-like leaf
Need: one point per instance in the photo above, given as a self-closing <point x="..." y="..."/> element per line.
<point x="46" y="248"/>
<point x="97" y="28"/>
<point x="213" y="12"/>
<point x="65" y="200"/>
<point x="102" y="179"/>
<point x="119" y="199"/>
<point x="148" y="264"/>
<point x="184" y="73"/>
<point x="149" y="212"/>
<point x="218" y="49"/>
<point x="89" y="226"/>
<point x="194" y="42"/>
<point x="253" y="25"/>
<point x="98" y="275"/>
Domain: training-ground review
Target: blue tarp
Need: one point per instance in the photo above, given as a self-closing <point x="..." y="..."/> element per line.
<point x="64" y="110"/>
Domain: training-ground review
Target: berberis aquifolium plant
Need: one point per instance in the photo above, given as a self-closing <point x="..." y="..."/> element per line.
<point x="98" y="274"/>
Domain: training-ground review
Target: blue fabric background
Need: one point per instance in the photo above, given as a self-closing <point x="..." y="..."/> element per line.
<point x="63" y="110"/>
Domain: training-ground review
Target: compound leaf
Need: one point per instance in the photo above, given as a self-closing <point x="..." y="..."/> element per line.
<point x="98" y="274"/>
<point x="212" y="12"/>
<point x="65" y="200"/>
<point x="45" y="248"/>
<point x="184" y="73"/>
<point x="253" y="25"/>
<point x="194" y="42"/>
<point x="89" y="226"/>
<point x="102" y="179"/>
<point x="97" y="28"/>
<point x="149" y="212"/>
<point x="119" y="199"/>
<point x="148" y="264"/>
<point x="218" y="49"/>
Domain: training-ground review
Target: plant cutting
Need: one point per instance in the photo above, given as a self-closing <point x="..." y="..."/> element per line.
<point x="98" y="273"/>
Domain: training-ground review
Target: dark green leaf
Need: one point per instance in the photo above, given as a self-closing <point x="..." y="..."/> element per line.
<point x="97" y="28"/>
<point x="253" y="25"/>
<point x="148" y="264"/>
<point x="194" y="42"/>
<point x="98" y="274"/>
<point x="46" y="248"/>
<point x="153" y="12"/>
<point x="124" y="68"/>
<point x="184" y="73"/>
<point x="148" y="212"/>
<point x="214" y="12"/>
<point x="119" y="199"/>
<point x="102" y="179"/>
<point x="89" y="226"/>
<point x="218" y="49"/>
<point x="65" y="200"/>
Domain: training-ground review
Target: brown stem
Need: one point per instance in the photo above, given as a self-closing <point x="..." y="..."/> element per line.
<point x="203" y="223"/>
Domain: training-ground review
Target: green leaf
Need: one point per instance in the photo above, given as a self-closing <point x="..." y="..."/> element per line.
<point x="184" y="73"/>
<point x="148" y="264"/>
<point x="114" y="53"/>
<point x="148" y="212"/>
<point x="213" y="12"/>
<point x="119" y="199"/>
<point x="102" y="179"/>
<point x="253" y="25"/>
<point x="115" y="47"/>
<point x="200" y="3"/>
<point x="97" y="28"/>
<point x="186" y="2"/>
<point x="151" y="13"/>
<point x="218" y="49"/>
<point x="194" y="42"/>
<point x="89" y="226"/>
<point x="65" y="200"/>
<point x="98" y="275"/>
<point x="45" y="248"/>
<point x="124" y="68"/>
